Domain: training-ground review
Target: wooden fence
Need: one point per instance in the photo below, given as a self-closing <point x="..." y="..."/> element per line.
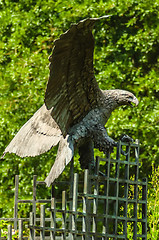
<point x="108" y="203"/>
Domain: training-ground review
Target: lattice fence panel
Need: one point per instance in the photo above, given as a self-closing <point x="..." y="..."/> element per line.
<point x="111" y="204"/>
<point x="107" y="202"/>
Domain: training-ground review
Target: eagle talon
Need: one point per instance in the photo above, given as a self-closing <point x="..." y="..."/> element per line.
<point x="126" y="138"/>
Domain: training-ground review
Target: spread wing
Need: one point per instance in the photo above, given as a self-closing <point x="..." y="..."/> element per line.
<point x="37" y="136"/>
<point x="72" y="90"/>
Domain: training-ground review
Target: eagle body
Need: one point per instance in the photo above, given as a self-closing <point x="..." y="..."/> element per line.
<point x="75" y="109"/>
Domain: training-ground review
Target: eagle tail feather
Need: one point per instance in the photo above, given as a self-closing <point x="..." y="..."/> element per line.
<point x="64" y="156"/>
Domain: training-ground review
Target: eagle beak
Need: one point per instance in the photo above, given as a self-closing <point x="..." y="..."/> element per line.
<point x="135" y="101"/>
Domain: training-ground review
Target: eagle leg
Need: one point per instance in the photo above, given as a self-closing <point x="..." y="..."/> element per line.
<point x="105" y="143"/>
<point x="86" y="152"/>
<point x="101" y="139"/>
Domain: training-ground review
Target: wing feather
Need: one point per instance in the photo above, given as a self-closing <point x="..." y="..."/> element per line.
<point x="38" y="135"/>
<point x="72" y="85"/>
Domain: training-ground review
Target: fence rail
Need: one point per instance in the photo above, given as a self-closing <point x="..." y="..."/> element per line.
<point x="107" y="203"/>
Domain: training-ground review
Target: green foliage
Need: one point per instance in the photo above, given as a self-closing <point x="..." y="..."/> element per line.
<point x="15" y="233"/>
<point x="126" y="56"/>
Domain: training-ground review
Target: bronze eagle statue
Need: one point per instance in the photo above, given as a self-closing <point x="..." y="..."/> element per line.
<point x="75" y="109"/>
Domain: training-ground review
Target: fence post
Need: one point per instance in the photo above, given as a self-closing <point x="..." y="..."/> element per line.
<point x="42" y="222"/>
<point x="144" y="209"/>
<point x="31" y="226"/>
<point x="53" y="219"/>
<point x="64" y="215"/>
<point x="74" y="207"/>
<point x="136" y="188"/>
<point x="34" y="197"/>
<point x="107" y="194"/>
<point x="86" y="218"/>
<point x="95" y="200"/>
<point x="16" y="202"/>
<point x="20" y="229"/>
<point x="9" y="232"/>
<point x="71" y="178"/>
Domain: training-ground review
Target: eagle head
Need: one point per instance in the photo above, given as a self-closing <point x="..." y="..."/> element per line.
<point x="119" y="97"/>
<point x="126" y="98"/>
